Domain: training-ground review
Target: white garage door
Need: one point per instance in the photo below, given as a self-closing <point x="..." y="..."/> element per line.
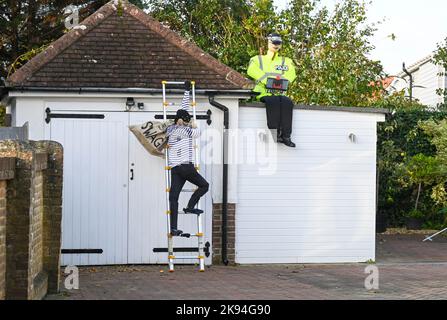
<point x="147" y="204"/>
<point x="318" y="205"/>
<point x="114" y="192"/>
<point x="95" y="193"/>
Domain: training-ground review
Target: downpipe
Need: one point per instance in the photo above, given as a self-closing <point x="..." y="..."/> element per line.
<point x="224" y="178"/>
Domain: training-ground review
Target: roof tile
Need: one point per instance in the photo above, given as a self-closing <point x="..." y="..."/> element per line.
<point x="131" y="51"/>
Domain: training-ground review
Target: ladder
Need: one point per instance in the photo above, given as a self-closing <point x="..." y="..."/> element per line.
<point x="199" y="235"/>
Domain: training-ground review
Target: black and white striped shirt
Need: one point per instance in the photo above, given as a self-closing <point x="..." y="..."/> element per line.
<point x="180" y="140"/>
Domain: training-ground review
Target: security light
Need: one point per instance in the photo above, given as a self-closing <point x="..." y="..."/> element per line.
<point x="130" y="103"/>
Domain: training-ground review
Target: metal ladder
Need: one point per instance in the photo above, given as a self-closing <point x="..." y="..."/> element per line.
<point x="199" y="234"/>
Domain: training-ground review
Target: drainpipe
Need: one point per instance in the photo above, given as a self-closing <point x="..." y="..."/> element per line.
<point x="224" y="178"/>
<point x="411" y="81"/>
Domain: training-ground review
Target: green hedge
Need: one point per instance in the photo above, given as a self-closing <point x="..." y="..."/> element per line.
<point x="399" y="139"/>
<point x="2" y="115"/>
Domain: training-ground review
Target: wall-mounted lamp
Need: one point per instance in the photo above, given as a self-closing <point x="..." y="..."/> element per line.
<point x="130" y="103"/>
<point x="140" y="106"/>
<point x="353" y="138"/>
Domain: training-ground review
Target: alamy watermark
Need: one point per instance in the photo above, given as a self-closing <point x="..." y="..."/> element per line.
<point x="372" y="280"/>
<point x="254" y="148"/>
<point x="72" y="278"/>
<point x="72" y="20"/>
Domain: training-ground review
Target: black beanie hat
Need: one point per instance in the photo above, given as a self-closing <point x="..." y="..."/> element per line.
<point x="184" y="115"/>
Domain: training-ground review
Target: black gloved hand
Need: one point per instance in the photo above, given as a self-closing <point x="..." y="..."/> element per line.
<point x="188" y="86"/>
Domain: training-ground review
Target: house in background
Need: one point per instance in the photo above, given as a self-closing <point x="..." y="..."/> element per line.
<point x="428" y="78"/>
<point x="317" y="206"/>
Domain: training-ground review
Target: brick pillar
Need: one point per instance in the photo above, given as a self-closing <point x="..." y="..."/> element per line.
<point x="217" y="233"/>
<point x="33" y="214"/>
<point x="52" y="212"/>
<point x="32" y="227"/>
<point x="25" y="277"/>
<point x="18" y="221"/>
<point x="7" y="168"/>
<point x="2" y="238"/>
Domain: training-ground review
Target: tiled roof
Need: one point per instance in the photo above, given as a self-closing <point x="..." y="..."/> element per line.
<point x="126" y="50"/>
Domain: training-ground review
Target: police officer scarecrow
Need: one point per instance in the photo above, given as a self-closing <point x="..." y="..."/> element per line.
<point x="273" y="75"/>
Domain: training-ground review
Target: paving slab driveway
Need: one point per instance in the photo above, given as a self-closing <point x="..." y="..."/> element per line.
<point x="408" y="269"/>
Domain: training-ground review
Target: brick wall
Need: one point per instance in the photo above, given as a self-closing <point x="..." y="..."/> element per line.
<point x="33" y="214"/>
<point x="7" y="166"/>
<point x="2" y="238"/>
<point x="52" y="212"/>
<point x="217" y="233"/>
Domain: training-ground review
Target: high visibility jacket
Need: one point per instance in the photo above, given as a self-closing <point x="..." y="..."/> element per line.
<point x="263" y="67"/>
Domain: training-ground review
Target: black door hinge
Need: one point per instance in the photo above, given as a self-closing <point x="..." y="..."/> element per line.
<point x="70" y="116"/>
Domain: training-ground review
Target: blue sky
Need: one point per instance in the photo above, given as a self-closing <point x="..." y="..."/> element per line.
<point x="418" y="26"/>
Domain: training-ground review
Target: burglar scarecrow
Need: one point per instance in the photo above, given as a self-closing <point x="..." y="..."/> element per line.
<point x="273" y="75"/>
<point x="178" y="135"/>
<point x="181" y="160"/>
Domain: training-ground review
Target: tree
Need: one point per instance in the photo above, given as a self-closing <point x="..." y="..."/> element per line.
<point x="440" y="58"/>
<point x="230" y="30"/>
<point x="437" y="130"/>
<point x="419" y="171"/>
<point x="29" y="25"/>
<point x="331" y="53"/>
<point x="330" y="50"/>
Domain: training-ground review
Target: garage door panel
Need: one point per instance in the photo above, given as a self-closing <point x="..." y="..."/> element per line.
<point x="306" y="247"/>
<point x="305" y="217"/>
<point x="299" y="260"/>
<point x="354" y="233"/>
<point x="304" y="254"/>
<point x="147" y="204"/>
<point x="345" y="125"/>
<point x="302" y="225"/>
<point x="317" y="239"/>
<point x="94" y="217"/>
<point x="275" y="203"/>
<point x="294" y="182"/>
<point x="308" y="211"/>
<point x="322" y="167"/>
<point x="302" y="189"/>
<point x="319" y="196"/>
<point x="317" y="201"/>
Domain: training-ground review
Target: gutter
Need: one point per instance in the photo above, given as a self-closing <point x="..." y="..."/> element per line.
<point x="226" y="112"/>
<point x="124" y="90"/>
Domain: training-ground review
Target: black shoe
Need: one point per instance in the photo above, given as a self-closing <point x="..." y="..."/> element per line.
<point x="288" y="142"/>
<point x="176" y="233"/>
<point x="280" y="139"/>
<point x="193" y="211"/>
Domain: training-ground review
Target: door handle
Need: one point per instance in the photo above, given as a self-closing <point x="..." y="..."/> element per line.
<point x="131" y="174"/>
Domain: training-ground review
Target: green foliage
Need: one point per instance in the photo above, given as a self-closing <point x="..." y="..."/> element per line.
<point x="27" y="26"/>
<point x="417" y="214"/>
<point x="440" y="58"/>
<point x="437" y="130"/>
<point x="24" y="58"/>
<point x="393" y="102"/>
<point x="405" y="147"/>
<point x="230" y="30"/>
<point x="419" y="170"/>
<point x="2" y="115"/>
<point x="329" y="49"/>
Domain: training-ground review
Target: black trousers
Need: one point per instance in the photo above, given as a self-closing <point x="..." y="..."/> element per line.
<point x="279" y="114"/>
<point x="179" y="176"/>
